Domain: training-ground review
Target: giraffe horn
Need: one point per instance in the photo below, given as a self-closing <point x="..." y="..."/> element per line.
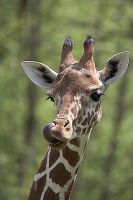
<point x="66" y="54"/>
<point x="88" y="51"/>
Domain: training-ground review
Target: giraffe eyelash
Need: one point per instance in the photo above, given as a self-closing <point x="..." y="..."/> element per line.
<point x="51" y="98"/>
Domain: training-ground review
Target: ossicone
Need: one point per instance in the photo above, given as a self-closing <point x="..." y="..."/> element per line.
<point x="67" y="57"/>
<point x="86" y="60"/>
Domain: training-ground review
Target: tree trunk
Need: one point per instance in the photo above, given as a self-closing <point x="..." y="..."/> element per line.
<point x="118" y="119"/>
<point x="31" y="36"/>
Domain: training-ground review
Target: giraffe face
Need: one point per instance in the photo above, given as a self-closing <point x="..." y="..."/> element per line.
<point x="76" y="94"/>
<point x="75" y="90"/>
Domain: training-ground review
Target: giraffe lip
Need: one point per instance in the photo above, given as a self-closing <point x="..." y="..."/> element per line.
<point x="47" y="135"/>
<point x="55" y="140"/>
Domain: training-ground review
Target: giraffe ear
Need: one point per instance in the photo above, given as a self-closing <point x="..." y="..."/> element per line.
<point x="115" y="67"/>
<point x="39" y="73"/>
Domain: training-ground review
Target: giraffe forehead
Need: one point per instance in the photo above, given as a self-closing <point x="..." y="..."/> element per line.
<point x="75" y="81"/>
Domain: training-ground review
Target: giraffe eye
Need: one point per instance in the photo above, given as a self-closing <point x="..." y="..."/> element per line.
<point x="96" y="96"/>
<point x="51" y="98"/>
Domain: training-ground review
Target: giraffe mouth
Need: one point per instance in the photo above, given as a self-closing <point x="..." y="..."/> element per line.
<point x="60" y="133"/>
<point x="55" y="135"/>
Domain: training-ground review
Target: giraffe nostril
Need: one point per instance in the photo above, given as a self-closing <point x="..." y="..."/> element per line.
<point x="68" y="129"/>
<point x="62" y="122"/>
<point x="66" y="123"/>
<point x="67" y="126"/>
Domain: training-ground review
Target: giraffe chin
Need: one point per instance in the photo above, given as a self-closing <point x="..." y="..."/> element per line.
<point x="59" y="145"/>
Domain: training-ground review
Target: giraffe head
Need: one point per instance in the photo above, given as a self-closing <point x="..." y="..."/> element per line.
<point x="76" y="90"/>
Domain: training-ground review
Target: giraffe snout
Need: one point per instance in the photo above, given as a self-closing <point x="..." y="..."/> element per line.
<point x="62" y="129"/>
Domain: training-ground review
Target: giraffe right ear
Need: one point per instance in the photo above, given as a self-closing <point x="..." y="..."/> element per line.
<point x="115" y="67"/>
<point x="39" y="73"/>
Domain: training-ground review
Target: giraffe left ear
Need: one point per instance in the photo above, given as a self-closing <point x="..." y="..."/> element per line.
<point x="39" y="73"/>
<point x="115" y="67"/>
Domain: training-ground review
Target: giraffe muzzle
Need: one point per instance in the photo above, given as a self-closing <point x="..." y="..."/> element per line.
<point x="60" y="133"/>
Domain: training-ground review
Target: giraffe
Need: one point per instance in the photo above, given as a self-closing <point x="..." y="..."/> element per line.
<point x="76" y="92"/>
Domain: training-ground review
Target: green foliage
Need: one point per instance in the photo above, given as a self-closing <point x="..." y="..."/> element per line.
<point x="36" y="30"/>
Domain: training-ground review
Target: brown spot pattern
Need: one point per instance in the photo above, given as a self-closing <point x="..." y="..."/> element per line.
<point x="37" y="189"/>
<point x="54" y="155"/>
<point x="94" y="121"/>
<point x="71" y="156"/>
<point x="88" y="129"/>
<point x="92" y="113"/>
<point x="50" y="195"/>
<point x="89" y="116"/>
<point x="78" y="130"/>
<point x="42" y="165"/>
<point x="79" y="119"/>
<point x="75" y="141"/>
<point x="74" y="110"/>
<point x="60" y="175"/>
<point x="97" y="107"/>
<point x="84" y="130"/>
<point x="67" y="194"/>
<point x="85" y="121"/>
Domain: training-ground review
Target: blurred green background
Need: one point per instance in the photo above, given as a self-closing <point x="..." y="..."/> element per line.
<point x="35" y="30"/>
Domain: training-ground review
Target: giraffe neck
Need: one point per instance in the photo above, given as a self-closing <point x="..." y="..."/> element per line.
<point x="55" y="178"/>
